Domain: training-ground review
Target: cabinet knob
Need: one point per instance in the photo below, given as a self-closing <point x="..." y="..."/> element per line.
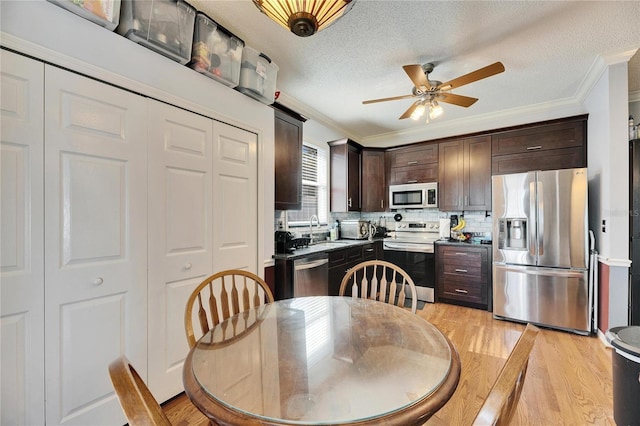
<point x="412" y="181"/>
<point x="98" y="281"/>
<point x="461" y="253"/>
<point x="462" y="270"/>
<point x="349" y="202"/>
<point x="532" y="148"/>
<point x="188" y="266"/>
<point x="410" y="163"/>
<point x="458" y="290"/>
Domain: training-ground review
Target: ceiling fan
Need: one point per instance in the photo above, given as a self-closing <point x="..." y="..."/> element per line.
<point x="429" y="92"/>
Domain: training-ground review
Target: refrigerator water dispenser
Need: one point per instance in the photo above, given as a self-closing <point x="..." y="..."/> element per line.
<point x="512" y="234"/>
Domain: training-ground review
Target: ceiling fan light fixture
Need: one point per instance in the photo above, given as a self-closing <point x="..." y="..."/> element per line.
<point x="304" y="17"/>
<point x="418" y="112"/>
<point x="435" y="110"/>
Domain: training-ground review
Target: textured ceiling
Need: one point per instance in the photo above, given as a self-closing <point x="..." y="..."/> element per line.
<point x="549" y="49"/>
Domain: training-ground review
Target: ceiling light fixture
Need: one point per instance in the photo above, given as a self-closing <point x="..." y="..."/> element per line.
<point x="418" y="112"/>
<point x="304" y="17"/>
<point x="435" y="110"/>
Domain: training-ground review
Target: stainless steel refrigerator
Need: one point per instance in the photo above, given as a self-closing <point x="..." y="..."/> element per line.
<point x="541" y="249"/>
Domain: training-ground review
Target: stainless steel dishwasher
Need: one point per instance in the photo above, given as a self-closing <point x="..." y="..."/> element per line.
<point x="311" y="276"/>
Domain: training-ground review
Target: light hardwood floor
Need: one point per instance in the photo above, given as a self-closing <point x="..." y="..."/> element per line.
<point x="568" y="382"/>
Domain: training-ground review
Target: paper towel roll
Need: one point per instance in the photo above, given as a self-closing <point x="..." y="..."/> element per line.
<point x="445" y="229"/>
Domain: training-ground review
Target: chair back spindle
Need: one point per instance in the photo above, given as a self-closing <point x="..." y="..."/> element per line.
<point x="225" y="292"/>
<point x="369" y="280"/>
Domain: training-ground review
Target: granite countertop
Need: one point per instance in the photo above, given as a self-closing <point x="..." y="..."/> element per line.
<point x="322" y="247"/>
<point x="465" y="243"/>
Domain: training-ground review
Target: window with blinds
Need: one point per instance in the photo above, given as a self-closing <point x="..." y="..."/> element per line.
<point x="314" y="187"/>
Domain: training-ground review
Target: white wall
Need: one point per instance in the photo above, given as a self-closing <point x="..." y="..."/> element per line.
<point x="46" y="31"/>
<point x="608" y="168"/>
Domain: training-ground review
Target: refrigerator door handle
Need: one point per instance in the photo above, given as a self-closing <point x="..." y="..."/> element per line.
<point x="567" y="273"/>
<point x="532" y="219"/>
<point x="540" y="216"/>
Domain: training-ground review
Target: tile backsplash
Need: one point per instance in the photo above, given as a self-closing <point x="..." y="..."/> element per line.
<point x="477" y="222"/>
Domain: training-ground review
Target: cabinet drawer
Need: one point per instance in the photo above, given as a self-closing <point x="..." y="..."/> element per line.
<point x="464" y="290"/>
<point x="415" y="155"/>
<point x="368" y="252"/>
<point x="462" y="255"/>
<point x="471" y="271"/>
<point x="556" y="136"/>
<point x="413" y="174"/>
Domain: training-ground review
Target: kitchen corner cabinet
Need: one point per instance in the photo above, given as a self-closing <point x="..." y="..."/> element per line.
<point x="374" y="194"/>
<point x="413" y="164"/>
<point x="345" y="163"/>
<point x="465" y="174"/>
<point x="463" y="274"/>
<point x="288" y="161"/>
<point x="556" y="144"/>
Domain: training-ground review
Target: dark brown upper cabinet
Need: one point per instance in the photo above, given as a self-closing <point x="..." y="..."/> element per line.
<point x="465" y="174"/>
<point x="345" y="176"/>
<point x="413" y="164"/>
<point x="288" y="160"/>
<point x="550" y="145"/>
<point x="374" y="193"/>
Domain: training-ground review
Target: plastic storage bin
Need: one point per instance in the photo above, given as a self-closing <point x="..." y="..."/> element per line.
<point x="258" y="76"/>
<point x="102" y="12"/>
<point x="216" y="52"/>
<point x="164" y="26"/>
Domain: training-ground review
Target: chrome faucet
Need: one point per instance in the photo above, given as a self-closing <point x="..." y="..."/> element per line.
<point x="311" y="227"/>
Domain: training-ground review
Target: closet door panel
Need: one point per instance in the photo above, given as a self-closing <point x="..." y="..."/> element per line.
<point x="180" y="234"/>
<point x="96" y="239"/>
<point x="235" y="186"/>
<point x="21" y="251"/>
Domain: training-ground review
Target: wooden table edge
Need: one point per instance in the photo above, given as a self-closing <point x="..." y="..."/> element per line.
<point x="416" y="414"/>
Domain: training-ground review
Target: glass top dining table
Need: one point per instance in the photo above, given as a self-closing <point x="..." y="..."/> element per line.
<point x="322" y="360"/>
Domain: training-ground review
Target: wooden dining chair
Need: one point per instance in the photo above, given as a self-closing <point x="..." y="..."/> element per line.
<point x="501" y="402"/>
<point x="221" y="296"/>
<point x="379" y="280"/>
<point x="137" y="402"/>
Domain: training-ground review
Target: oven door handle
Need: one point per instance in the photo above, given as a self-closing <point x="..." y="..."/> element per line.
<point x="419" y="248"/>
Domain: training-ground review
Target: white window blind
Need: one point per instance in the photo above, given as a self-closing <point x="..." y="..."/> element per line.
<point x="314" y="186"/>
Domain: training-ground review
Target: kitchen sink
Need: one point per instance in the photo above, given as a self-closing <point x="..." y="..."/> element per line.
<point x="329" y="244"/>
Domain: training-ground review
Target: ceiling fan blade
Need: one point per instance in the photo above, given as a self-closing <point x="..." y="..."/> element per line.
<point x="450" y="98"/>
<point x="488" y="71"/>
<point x="394" y="98"/>
<point x="408" y="112"/>
<point x="417" y="75"/>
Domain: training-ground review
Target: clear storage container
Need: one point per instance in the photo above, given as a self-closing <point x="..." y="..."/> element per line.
<point x="257" y="76"/>
<point x="164" y="26"/>
<point x="216" y="52"/>
<point x="102" y="12"/>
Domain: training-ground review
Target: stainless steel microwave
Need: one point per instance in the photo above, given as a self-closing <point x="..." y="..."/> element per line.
<point x="413" y="196"/>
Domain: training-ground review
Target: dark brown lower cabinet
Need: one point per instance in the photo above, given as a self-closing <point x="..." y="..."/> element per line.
<point x="463" y="275"/>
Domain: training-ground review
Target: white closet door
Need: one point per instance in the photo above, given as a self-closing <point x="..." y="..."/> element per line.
<point x="22" y="235"/>
<point x="180" y="234"/>
<point x="235" y="192"/>
<point x="95" y="244"/>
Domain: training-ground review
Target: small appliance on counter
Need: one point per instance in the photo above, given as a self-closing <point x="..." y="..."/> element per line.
<point x="445" y="229"/>
<point x="286" y="242"/>
<point x="354" y="229"/>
